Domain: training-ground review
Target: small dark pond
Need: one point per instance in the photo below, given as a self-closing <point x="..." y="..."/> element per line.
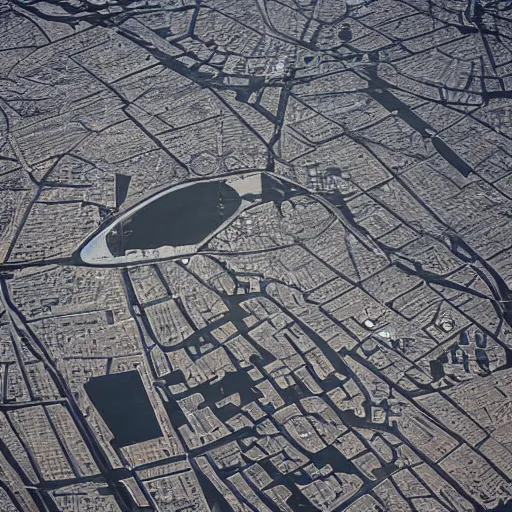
<point x="124" y="405"/>
<point x="122" y="186"/>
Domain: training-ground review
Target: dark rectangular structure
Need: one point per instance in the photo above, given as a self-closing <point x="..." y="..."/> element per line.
<point x="123" y="403"/>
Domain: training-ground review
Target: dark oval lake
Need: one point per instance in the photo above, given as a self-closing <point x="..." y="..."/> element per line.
<point x="185" y="216"/>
